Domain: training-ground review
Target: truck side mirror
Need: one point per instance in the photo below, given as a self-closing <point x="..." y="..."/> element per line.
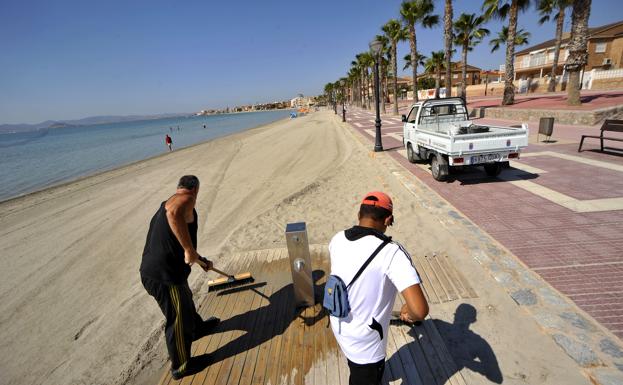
<point x="404" y="118"/>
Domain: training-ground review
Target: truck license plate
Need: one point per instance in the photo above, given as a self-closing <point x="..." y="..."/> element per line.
<point x="485" y="158"/>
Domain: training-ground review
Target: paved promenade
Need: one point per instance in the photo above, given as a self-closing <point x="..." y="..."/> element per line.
<point x="559" y="211"/>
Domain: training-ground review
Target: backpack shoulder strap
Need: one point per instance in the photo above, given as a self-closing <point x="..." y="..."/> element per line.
<point x="367" y="262"/>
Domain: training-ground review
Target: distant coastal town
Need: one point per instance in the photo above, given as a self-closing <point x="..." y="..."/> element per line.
<point x="299" y="101"/>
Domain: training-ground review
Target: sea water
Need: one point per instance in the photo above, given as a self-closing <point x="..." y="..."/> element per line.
<point x="30" y="161"/>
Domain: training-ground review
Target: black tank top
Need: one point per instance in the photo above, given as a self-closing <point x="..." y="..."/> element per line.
<point x="163" y="256"/>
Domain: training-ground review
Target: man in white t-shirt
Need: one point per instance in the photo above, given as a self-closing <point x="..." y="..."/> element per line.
<point x="362" y="335"/>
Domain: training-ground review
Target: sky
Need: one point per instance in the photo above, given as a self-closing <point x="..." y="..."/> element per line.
<point x="67" y="59"/>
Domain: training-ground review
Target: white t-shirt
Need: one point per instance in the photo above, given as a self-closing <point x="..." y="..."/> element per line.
<point x="372" y="295"/>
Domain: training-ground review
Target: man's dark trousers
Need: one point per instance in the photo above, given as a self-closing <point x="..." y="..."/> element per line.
<point x="366" y="374"/>
<point x="176" y="303"/>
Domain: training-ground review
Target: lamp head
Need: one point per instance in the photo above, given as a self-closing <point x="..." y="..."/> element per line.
<point x="375" y="47"/>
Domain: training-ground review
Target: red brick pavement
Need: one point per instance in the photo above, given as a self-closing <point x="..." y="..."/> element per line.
<point x="580" y="254"/>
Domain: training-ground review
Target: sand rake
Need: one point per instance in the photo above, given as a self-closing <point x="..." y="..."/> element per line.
<point x="228" y="280"/>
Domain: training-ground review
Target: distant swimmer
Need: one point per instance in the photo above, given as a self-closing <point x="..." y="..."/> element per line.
<point x="204" y="126"/>
<point x="168" y="141"/>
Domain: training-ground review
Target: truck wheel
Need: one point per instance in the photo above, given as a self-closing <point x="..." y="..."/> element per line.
<point x="493" y="169"/>
<point x="439" y="167"/>
<point x="413" y="156"/>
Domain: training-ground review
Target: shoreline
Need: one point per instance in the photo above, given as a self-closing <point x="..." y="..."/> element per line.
<point x="76" y="179"/>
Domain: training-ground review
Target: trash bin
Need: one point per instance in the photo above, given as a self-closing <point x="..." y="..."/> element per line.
<point x="546" y="127"/>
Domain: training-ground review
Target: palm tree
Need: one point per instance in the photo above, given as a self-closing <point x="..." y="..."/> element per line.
<point x="353" y="76"/>
<point x="352" y="82"/>
<point x="468" y="32"/>
<point x="447" y="21"/>
<point x="521" y="38"/>
<point x="367" y="63"/>
<point x="420" y="60"/>
<point x="435" y="64"/>
<point x="384" y="40"/>
<point x="501" y="9"/>
<point x="329" y="91"/>
<point x="395" y="33"/>
<point x="417" y="12"/>
<point x="546" y="8"/>
<point x="578" y="49"/>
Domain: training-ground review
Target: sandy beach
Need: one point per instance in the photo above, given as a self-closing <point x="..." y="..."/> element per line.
<point x="74" y="310"/>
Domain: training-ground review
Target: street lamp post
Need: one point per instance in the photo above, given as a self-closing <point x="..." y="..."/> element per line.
<point x="343" y="83"/>
<point x="375" y="48"/>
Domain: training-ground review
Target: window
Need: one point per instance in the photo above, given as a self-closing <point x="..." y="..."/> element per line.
<point x="455" y="76"/>
<point x="411" y="117"/>
<point x="600" y="47"/>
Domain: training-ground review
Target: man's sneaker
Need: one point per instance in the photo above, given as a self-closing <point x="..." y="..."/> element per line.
<point x="193" y="366"/>
<point x="206" y="328"/>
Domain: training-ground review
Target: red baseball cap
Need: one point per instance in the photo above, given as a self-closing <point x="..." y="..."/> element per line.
<point x="377" y="198"/>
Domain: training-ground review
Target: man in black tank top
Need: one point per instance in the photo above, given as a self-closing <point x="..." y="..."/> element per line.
<point x="170" y="250"/>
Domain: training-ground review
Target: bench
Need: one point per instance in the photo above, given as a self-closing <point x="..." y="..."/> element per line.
<point x="609" y="125"/>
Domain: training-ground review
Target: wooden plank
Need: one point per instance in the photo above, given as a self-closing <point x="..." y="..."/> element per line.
<point x="430" y="355"/>
<point x="443" y="279"/>
<point x="433" y="287"/>
<point x="322" y="354"/>
<point x="428" y="293"/>
<point x="411" y="336"/>
<point x="244" y="304"/>
<point x="471" y="293"/>
<point x="395" y="364"/>
<point x="453" y="276"/>
<point x="441" y="274"/>
<point x="411" y="375"/>
<point x="331" y="356"/>
<point x="249" y="324"/>
<point x="297" y="355"/>
<point x="197" y="348"/>
<point x="285" y="365"/>
<point x="277" y="348"/>
<point x="259" y="332"/>
<point x="308" y="347"/>
<point x="226" y="309"/>
<point x="443" y="357"/>
<point x="274" y="312"/>
<point x="343" y="369"/>
<point x="435" y="279"/>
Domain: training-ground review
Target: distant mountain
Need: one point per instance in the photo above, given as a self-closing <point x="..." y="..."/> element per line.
<point x="92" y="120"/>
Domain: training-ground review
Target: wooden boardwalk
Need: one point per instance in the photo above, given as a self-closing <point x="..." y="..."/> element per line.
<point x="262" y="339"/>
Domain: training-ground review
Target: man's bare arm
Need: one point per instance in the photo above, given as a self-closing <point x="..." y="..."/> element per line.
<point x="416" y="306"/>
<point x="176" y="216"/>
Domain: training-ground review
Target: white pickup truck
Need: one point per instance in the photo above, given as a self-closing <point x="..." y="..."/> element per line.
<point x="439" y="131"/>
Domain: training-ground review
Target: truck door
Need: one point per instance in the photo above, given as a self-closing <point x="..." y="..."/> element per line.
<point x="409" y="126"/>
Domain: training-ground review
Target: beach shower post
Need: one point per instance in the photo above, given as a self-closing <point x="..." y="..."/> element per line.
<point x="300" y="264"/>
<point x="375" y="48"/>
